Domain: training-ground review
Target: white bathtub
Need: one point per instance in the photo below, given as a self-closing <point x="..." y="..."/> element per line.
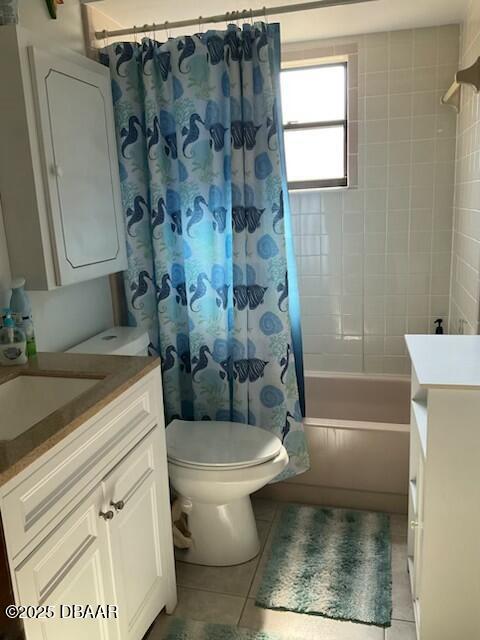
<point x="357" y="428"/>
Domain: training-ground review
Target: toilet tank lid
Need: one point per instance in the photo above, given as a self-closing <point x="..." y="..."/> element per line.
<point x="120" y="341"/>
<point x="220" y="444"/>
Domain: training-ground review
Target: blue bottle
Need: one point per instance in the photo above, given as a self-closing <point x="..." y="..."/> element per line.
<point x="22" y="313"/>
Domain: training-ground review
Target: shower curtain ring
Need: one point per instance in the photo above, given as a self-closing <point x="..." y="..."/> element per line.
<point x="104" y="34"/>
<point x="251" y="16"/>
<point x="265" y="19"/>
<point x="135" y="33"/>
<point x="199" y="23"/>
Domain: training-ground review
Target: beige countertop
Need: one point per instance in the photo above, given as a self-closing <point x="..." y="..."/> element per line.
<point x="115" y="375"/>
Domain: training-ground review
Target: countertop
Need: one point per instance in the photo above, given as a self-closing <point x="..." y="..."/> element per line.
<point x="115" y="375"/>
<point x="445" y="360"/>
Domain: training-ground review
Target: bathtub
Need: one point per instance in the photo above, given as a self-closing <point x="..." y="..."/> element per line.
<point x="357" y="427"/>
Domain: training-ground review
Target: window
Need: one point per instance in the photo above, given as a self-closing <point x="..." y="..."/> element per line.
<point x="314" y="107"/>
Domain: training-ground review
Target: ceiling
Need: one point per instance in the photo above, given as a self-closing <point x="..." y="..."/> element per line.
<point x="378" y="15"/>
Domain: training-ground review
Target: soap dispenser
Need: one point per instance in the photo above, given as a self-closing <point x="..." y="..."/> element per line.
<point x="439" y="327"/>
<point x="22" y="313"/>
<point x="13" y="343"/>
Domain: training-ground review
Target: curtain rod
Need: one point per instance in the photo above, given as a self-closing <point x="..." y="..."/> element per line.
<point x="225" y="17"/>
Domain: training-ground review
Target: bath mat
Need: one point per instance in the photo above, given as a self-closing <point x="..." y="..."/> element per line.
<point x="180" y="629"/>
<point x="332" y="563"/>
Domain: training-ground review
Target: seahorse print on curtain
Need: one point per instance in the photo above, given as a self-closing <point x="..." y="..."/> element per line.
<point x="206" y="208"/>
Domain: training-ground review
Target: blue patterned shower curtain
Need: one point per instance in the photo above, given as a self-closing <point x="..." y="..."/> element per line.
<point x="207" y="218"/>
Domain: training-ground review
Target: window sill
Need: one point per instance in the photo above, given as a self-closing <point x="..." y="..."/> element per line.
<point x="343" y="187"/>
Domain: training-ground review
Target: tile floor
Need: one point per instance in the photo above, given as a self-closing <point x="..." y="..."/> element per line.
<point x="227" y="595"/>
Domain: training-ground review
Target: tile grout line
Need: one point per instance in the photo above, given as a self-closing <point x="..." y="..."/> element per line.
<point x="258" y="565"/>
<point x="223" y="593"/>
<point x="403" y="620"/>
<point x="206" y="590"/>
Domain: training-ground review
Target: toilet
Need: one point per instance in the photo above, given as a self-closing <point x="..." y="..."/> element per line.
<point x="216" y="466"/>
<point x="116" y="341"/>
<point x="213" y="466"/>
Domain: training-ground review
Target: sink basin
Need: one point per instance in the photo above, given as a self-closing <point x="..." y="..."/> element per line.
<point x="26" y="400"/>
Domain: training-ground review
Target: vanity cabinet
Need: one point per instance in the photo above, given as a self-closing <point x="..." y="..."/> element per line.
<point x="444" y="493"/>
<point x="110" y="541"/>
<point x="59" y="177"/>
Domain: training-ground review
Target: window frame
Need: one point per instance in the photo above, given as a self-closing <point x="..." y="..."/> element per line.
<point x="328" y="183"/>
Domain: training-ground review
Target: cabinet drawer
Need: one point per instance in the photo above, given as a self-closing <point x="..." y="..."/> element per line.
<point x="43" y="497"/>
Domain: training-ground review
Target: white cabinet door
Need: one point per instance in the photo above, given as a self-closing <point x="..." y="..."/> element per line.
<point x="140" y="536"/>
<point x="74" y="108"/>
<point x="71" y="567"/>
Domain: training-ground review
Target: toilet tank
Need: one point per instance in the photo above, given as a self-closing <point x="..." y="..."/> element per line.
<point x="117" y="341"/>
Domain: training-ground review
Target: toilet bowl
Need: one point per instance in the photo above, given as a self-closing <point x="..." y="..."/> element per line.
<point x="216" y="466"/>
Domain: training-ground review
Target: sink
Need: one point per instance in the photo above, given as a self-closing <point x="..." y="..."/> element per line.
<point x="26" y="400"/>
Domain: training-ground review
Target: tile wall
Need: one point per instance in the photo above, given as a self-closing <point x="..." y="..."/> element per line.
<point x="374" y="260"/>
<point x="465" y="292"/>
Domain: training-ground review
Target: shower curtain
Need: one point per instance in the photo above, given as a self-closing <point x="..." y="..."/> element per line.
<point x="211" y="271"/>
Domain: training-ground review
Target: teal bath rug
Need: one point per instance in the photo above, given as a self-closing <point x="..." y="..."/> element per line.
<point x="180" y="629"/>
<point x="332" y="563"/>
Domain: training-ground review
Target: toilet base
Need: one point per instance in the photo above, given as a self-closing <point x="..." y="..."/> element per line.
<point x="222" y="535"/>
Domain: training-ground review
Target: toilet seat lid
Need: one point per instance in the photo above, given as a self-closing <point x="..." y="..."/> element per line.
<point x="220" y="444"/>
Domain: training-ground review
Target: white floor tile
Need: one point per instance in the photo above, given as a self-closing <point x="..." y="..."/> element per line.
<point x="207" y="606"/>
<point x="264" y="509"/>
<point x="402" y="598"/>
<point x="401" y="631"/>
<point x="234" y="580"/>
<point x="398" y="525"/>
<point x="263" y="560"/>
<point x="401" y="593"/>
<point x="399" y="555"/>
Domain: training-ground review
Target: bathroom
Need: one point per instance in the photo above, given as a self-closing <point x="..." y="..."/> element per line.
<point x="378" y="166"/>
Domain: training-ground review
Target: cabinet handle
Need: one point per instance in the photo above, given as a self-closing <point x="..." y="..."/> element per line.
<point x="106" y="515"/>
<point x="414" y="524"/>
<point x="118" y="505"/>
<point x="57" y="171"/>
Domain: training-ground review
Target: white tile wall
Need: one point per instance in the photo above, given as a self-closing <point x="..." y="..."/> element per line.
<point x="374" y="261"/>
<point x="465" y="291"/>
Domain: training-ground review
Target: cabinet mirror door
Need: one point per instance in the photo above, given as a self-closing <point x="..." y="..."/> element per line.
<point x="74" y="108"/>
